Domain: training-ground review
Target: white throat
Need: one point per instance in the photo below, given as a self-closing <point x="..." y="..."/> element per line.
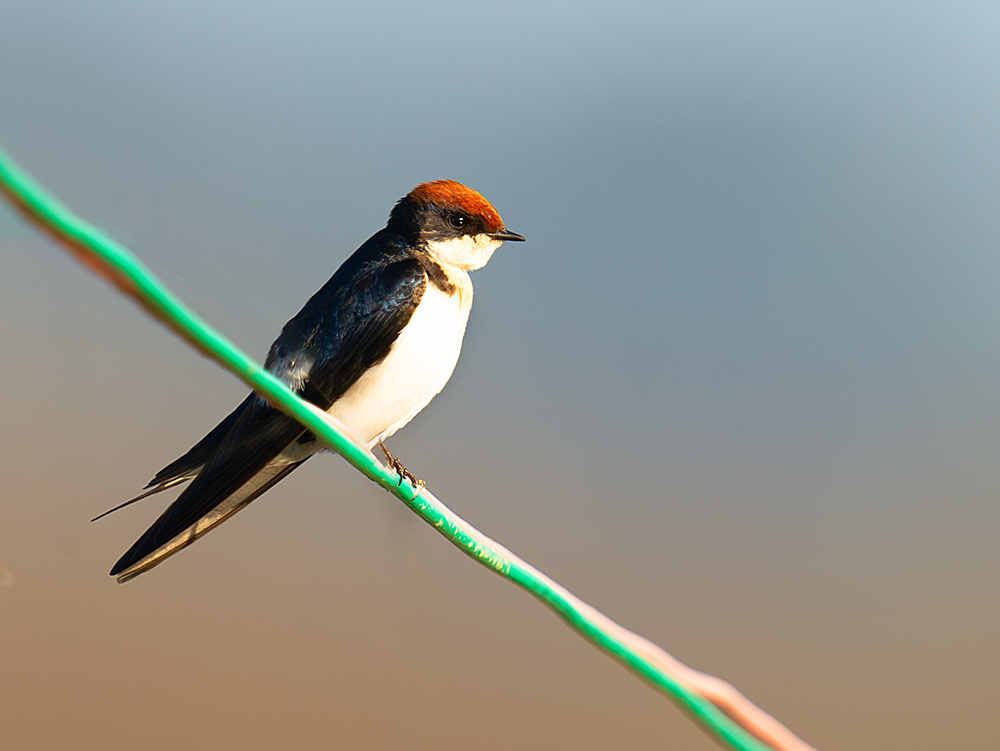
<point x="469" y="252"/>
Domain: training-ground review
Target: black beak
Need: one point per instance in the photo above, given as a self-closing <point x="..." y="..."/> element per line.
<point x="506" y="234"/>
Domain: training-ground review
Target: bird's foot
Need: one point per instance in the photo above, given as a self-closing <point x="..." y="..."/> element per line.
<point x="397" y="466"/>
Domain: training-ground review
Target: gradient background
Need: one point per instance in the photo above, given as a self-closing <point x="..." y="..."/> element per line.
<point x="739" y="390"/>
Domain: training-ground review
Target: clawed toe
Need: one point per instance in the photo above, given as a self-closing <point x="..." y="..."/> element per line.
<point x="397" y="466"/>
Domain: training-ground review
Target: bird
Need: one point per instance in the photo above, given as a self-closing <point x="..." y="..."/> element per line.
<point x="372" y="347"/>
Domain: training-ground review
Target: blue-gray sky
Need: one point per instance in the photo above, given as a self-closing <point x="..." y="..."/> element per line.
<point x="739" y="389"/>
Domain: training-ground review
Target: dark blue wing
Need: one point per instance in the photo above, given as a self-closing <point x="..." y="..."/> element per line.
<point x="345" y="328"/>
<point x="196" y="457"/>
<point x="353" y="321"/>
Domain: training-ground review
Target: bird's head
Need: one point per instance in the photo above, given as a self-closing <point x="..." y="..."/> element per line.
<point x="453" y="224"/>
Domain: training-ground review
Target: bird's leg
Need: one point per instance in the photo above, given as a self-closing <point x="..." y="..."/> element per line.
<point x="397" y="466"/>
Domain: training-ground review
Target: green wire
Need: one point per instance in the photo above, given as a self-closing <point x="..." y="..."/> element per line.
<point x="116" y="263"/>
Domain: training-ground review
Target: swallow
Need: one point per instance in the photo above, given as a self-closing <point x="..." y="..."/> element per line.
<point x="372" y="348"/>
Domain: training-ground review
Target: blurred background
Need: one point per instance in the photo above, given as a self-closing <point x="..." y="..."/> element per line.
<point x="739" y="389"/>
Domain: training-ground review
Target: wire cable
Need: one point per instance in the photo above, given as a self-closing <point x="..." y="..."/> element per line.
<point x="722" y="710"/>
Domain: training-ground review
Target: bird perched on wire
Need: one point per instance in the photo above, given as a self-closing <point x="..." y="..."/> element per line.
<point x="372" y="348"/>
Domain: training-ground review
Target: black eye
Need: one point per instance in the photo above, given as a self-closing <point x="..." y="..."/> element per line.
<point x="458" y="220"/>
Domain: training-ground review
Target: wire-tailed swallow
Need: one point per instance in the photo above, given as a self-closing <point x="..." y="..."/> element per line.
<point x="372" y="347"/>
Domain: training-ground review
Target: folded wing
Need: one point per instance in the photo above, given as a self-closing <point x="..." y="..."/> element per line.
<point x="350" y="324"/>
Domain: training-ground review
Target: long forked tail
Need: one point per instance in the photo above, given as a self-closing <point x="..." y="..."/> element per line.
<point x="162" y="486"/>
<point x="128" y="567"/>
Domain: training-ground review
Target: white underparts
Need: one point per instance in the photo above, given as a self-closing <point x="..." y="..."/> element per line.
<point x="417" y="367"/>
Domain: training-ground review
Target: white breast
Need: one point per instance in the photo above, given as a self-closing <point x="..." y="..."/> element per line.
<point x="417" y="367"/>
